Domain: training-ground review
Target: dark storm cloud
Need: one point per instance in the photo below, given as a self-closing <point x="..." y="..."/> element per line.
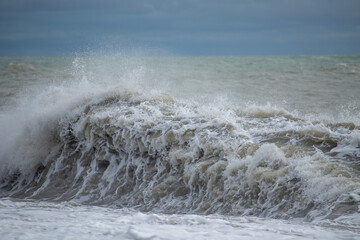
<point x="197" y="27"/>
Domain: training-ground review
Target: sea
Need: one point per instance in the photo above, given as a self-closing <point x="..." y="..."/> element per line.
<point x="115" y="146"/>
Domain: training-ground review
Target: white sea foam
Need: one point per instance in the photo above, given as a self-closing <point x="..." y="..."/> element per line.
<point x="44" y="220"/>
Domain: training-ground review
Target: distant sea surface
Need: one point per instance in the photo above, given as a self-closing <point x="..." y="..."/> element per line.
<point x="119" y="147"/>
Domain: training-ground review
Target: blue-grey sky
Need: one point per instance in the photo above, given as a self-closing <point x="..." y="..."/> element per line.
<point x="196" y="27"/>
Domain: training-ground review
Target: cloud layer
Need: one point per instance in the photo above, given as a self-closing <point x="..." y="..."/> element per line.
<point x="197" y="27"/>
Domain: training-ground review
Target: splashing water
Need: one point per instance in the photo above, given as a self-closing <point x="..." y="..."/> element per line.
<point x="188" y="136"/>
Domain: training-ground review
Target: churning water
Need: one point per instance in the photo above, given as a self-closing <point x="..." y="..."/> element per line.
<point x="180" y="147"/>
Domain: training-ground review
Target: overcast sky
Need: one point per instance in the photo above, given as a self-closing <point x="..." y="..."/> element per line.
<point x="196" y="27"/>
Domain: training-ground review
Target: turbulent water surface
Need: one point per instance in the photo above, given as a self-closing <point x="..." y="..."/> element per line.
<point x="180" y="147"/>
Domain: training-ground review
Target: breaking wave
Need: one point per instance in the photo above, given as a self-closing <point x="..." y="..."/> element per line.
<point x="151" y="152"/>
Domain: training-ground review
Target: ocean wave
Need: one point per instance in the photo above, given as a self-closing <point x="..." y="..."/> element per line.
<point x="155" y="153"/>
<point x="344" y="68"/>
